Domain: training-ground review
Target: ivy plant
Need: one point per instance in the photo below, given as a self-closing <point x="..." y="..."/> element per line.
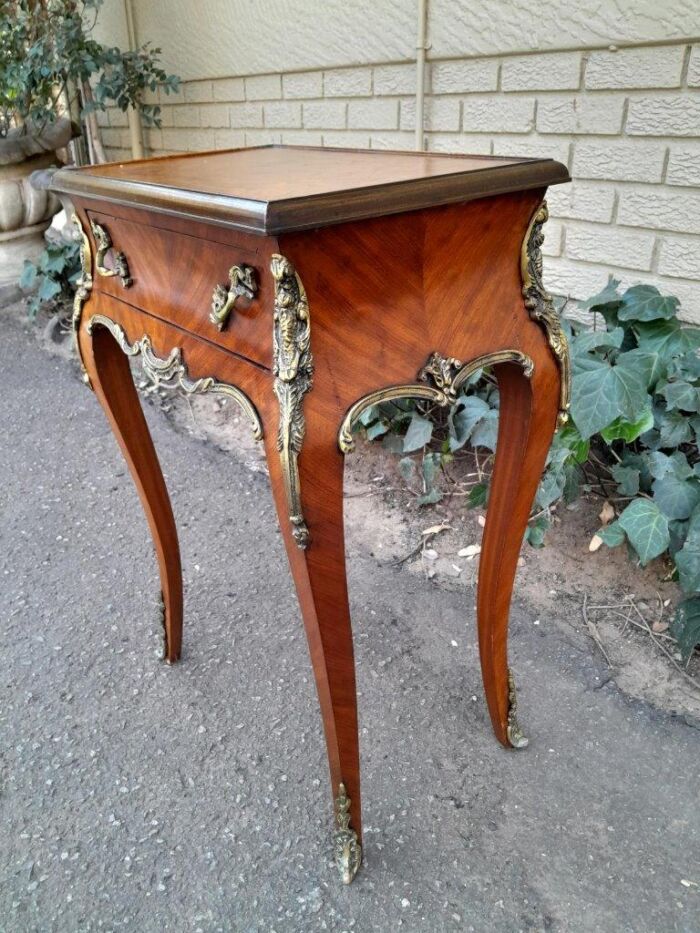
<point x="632" y="436"/>
<point x="52" y="279"/>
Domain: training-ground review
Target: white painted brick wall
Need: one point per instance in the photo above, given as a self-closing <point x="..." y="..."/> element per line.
<point x="464" y="77"/>
<point x="684" y="166"/>
<point x="551" y="72"/>
<point x="664" y="116"/>
<point x="636" y="68"/>
<point x="583" y="114"/>
<point x="620" y="248"/>
<point x="305" y="84"/>
<point x="498" y="114"/>
<point x="680" y="257"/>
<point x="619" y="161"/>
<point x="626" y="123"/>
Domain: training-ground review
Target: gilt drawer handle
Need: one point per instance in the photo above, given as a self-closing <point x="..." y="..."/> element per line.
<point x="119" y="265"/>
<point x="242" y="284"/>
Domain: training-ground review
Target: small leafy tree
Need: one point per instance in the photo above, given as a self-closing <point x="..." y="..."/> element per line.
<point x="632" y="436"/>
<point x="50" y="65"/>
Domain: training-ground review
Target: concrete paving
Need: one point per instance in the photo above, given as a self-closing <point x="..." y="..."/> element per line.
<point x="139" y="797"/>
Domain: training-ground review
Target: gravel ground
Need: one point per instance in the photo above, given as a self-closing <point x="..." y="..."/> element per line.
<point x="139" y="797"/>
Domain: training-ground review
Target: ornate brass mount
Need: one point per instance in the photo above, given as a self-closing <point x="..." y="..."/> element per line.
<point x="119" y="266"/>
<point x="293" y="371"/>
<point x="171" y="373"/>
<point x="83" y="287"/>
<point x="347" y="849"/>
<point x="440" y="381"/>
<point x="513" y="731"/>
<point x="540" y="306"/>
<point x="242" y="284"/>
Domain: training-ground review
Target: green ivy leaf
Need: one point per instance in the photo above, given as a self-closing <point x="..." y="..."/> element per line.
<point x="27" y="279"/>
<point x="650" y="366"/>
<point x="464" y="417"/>
<point x="431" y="468"/>
<point x="605" y="393"/>
<point x="594" y="399"/>
<point x="646" y="528"/>
<point x="681" y="395"/>
<point x="48" y="289"/>
<point x="595" y="339"/>
<point x="612" y="534"/>
<point x="536" y="530"/>
<point x="478" y="495"/>
<point x="419" y="433"/>
<point x="573" y="476"/>
<point x="570" y="438"/>
<point x="377" y="430"/>
<point x="429" y="498"/>
<point x="550" y="489"/>
<point x="368" y="416"/>
<point x="685" y="626"/>
<point x="688" y="557"/>
<point x="628" y="431"/>
<point x="486" y="431"/>
<point x="686" y="366"/>
<point x="632" y="395"/>
<point x="676" y="497"/>
<point x="638" y="462"/>
<point x="667" y="338"/>
<point x="661" y="464"/>
<point x="674" y="428"/>
<point x="627" y="479"/>
<point x="646" y="303"/>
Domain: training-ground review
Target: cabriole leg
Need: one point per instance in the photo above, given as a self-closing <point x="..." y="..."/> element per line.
<point x="319" y="575"/>
<point x="110" y="375"/>
<point x="528" y="413"/>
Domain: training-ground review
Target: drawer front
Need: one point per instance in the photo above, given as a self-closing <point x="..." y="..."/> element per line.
<point x="174" y="276"/>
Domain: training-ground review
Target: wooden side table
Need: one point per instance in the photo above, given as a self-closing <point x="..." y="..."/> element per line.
<point x="306" y="284"/>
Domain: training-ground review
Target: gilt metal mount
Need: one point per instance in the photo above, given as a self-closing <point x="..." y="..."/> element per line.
<point x="293" y="371"/>
<point x="439" y="381"/>
<point x="83" y="287"/>
<point x="171" y="373"/>
<point x="242" y="284"/>
<point x="120" y="266"/>
<point x="347" y="849"/>
<point x="540" y="306"/>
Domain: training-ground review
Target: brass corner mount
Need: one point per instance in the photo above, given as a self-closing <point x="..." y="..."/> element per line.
<point x="540" y="306"/>
<point x="347" y="849"/>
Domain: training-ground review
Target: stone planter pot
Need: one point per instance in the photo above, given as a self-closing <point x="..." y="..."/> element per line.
<point x="25" y="212"/>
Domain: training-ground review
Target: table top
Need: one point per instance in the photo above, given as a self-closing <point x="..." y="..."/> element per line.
<point x="275" y="189"/>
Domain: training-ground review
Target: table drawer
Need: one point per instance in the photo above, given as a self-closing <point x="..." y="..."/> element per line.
<point x="174" y="276"/>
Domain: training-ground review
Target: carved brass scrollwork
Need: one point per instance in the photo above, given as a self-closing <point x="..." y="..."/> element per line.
<point x="513" y="730"/>
<point x="83" y="287"/>
<point x="119" y="266"/>
<point x="540" y="306"/>
<point x="171" y="373"/>
<point x="242" y="284"/>
<point x="293" y="371"/>
<point x="348" y="851"/>
<point x="440" y="381"/>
